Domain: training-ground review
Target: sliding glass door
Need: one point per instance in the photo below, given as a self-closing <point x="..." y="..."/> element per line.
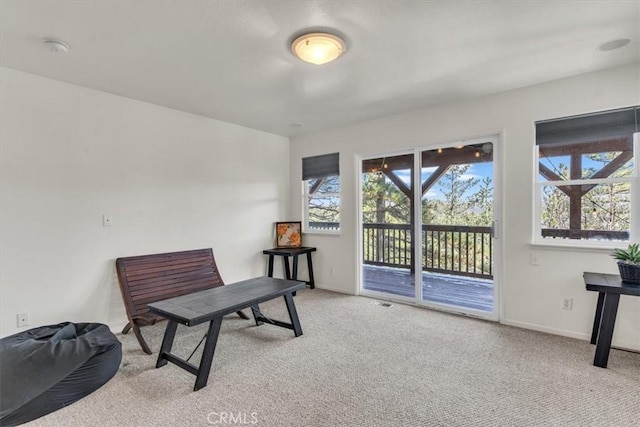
<point x="457" y="226"/>
<point x="387" y="225"/>
<point x="428" y="227"/>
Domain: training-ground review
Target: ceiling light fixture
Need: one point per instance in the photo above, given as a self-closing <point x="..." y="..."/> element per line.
<point x="56" y="46"/>
<point x="613" y="44"/>
<point x="318" y="48"/>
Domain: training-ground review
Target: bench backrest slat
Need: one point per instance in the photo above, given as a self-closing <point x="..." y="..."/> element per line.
<point x="150" y="278"/>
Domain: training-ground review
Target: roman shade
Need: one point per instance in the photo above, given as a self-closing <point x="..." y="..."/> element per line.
<point x="320" y="166"/>
<point x="599" y="126"/>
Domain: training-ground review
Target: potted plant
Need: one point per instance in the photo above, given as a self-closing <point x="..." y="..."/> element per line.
<point x="629" y="263"/>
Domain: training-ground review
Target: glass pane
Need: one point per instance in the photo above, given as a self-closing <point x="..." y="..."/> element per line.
<point x="592" y="163"/>
<point x="426" y="173"/>
<point x="324" y="212"/>
<point x="383" y="201"/>
<point x="457" y="214"/>
<point x="601" y="212"/>
<point x="387" y="228"/>
<point x="462" y="195"/>
<point x="600" y="159"/>
<point x="554" y="168"/>
<point x="326" y="185"/>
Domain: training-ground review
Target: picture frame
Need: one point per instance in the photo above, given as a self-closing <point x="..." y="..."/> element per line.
<point x="289" y="234"/>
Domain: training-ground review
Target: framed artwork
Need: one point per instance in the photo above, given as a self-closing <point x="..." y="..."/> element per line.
<point x="289" y="234"/>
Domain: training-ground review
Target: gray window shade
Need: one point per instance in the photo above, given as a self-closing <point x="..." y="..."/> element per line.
<point x="320" y="166"/>
<point x="589" y="127"/>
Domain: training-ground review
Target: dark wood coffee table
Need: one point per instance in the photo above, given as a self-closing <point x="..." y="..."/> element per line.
<point x="210" y="305"/>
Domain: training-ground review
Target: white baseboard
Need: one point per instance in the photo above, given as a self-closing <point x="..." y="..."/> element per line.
<point x="622" y="345"/>
<point x="332" y="289"/>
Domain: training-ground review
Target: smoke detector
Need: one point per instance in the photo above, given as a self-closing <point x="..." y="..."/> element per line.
<point x="56" y="46"/>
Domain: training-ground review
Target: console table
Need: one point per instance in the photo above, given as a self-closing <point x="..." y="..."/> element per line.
<point x="609" y="288"/>
<point x="285" y="253"/>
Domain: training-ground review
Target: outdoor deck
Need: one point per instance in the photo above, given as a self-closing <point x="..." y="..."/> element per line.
<point x="467" y="292"/>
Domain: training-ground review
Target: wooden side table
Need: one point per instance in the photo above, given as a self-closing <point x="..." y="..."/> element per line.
<point x="285" y="253"/>
<point x="609" y="288"/>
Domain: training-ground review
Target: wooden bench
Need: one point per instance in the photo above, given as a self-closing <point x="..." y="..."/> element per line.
<point x="150" y="278"/>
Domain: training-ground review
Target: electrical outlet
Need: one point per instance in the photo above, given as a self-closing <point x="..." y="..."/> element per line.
<point x="22" y="319"/>
<point x="567" y="303"/>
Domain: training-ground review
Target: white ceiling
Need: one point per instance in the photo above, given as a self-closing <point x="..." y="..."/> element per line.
<point x="230" y="60"/>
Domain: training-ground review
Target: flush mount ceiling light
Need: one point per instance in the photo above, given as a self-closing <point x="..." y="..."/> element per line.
<point x="613" y="44"/>
<point x="56" y="46"/>
<point x="318" y="48"/>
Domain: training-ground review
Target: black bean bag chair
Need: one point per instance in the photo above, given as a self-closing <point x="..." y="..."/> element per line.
<point x="47" y="368"/>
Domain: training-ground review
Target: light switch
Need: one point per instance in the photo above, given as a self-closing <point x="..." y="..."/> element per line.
<point x="535" y="259"/>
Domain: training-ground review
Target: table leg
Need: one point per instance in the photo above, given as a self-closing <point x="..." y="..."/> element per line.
<point x="270" y="271"/>
<point x="605" y="334"/>
<point x="287" y="271"/>
<point x="312" y="282"/>
<point x="207" y="353"/>
<point x="167" y="342"/>
<point x="294" y="276"/>
<point x="256" y="312"/>
<point x="293" y="314"/>
<point x="598" y="317"/>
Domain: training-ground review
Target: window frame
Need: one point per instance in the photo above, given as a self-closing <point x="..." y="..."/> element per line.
<point x="634" y="214"/>
<point x="306" y="196"/>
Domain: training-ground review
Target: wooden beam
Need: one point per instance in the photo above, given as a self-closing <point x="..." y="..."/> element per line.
<point x="430" y="158"/>
<point x="435" y="176"/>
<point x="552" y="176"/>
<point x="401" y="162"/>
<point x="609" y="169"/>
<point x="455" y="156"/>
<point x="549" y="174"/>
<point x="316" y="185"/>
<point x="602" y="146"/>
<point x="575" y="195"/>
<point x="398" y="182"/>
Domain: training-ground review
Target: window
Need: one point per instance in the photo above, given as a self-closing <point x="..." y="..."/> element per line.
<point x="587" y="177"/>
<point x="321" y="183"/>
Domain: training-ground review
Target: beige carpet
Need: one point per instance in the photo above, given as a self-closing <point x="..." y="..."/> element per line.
<point x="360" y="364"/>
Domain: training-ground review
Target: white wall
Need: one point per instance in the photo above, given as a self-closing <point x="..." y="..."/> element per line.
<point x="171" y="180"/>
<point x="531" y="296"/>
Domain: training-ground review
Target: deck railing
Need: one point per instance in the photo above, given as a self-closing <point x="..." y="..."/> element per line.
<point x="318" y="225"/>
<point x="604" y="235"/>
<point x="450" y="249"/>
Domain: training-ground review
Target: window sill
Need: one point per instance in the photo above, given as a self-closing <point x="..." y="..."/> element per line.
<point x="322" y="232"/>
<point x="580" y="247"/>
